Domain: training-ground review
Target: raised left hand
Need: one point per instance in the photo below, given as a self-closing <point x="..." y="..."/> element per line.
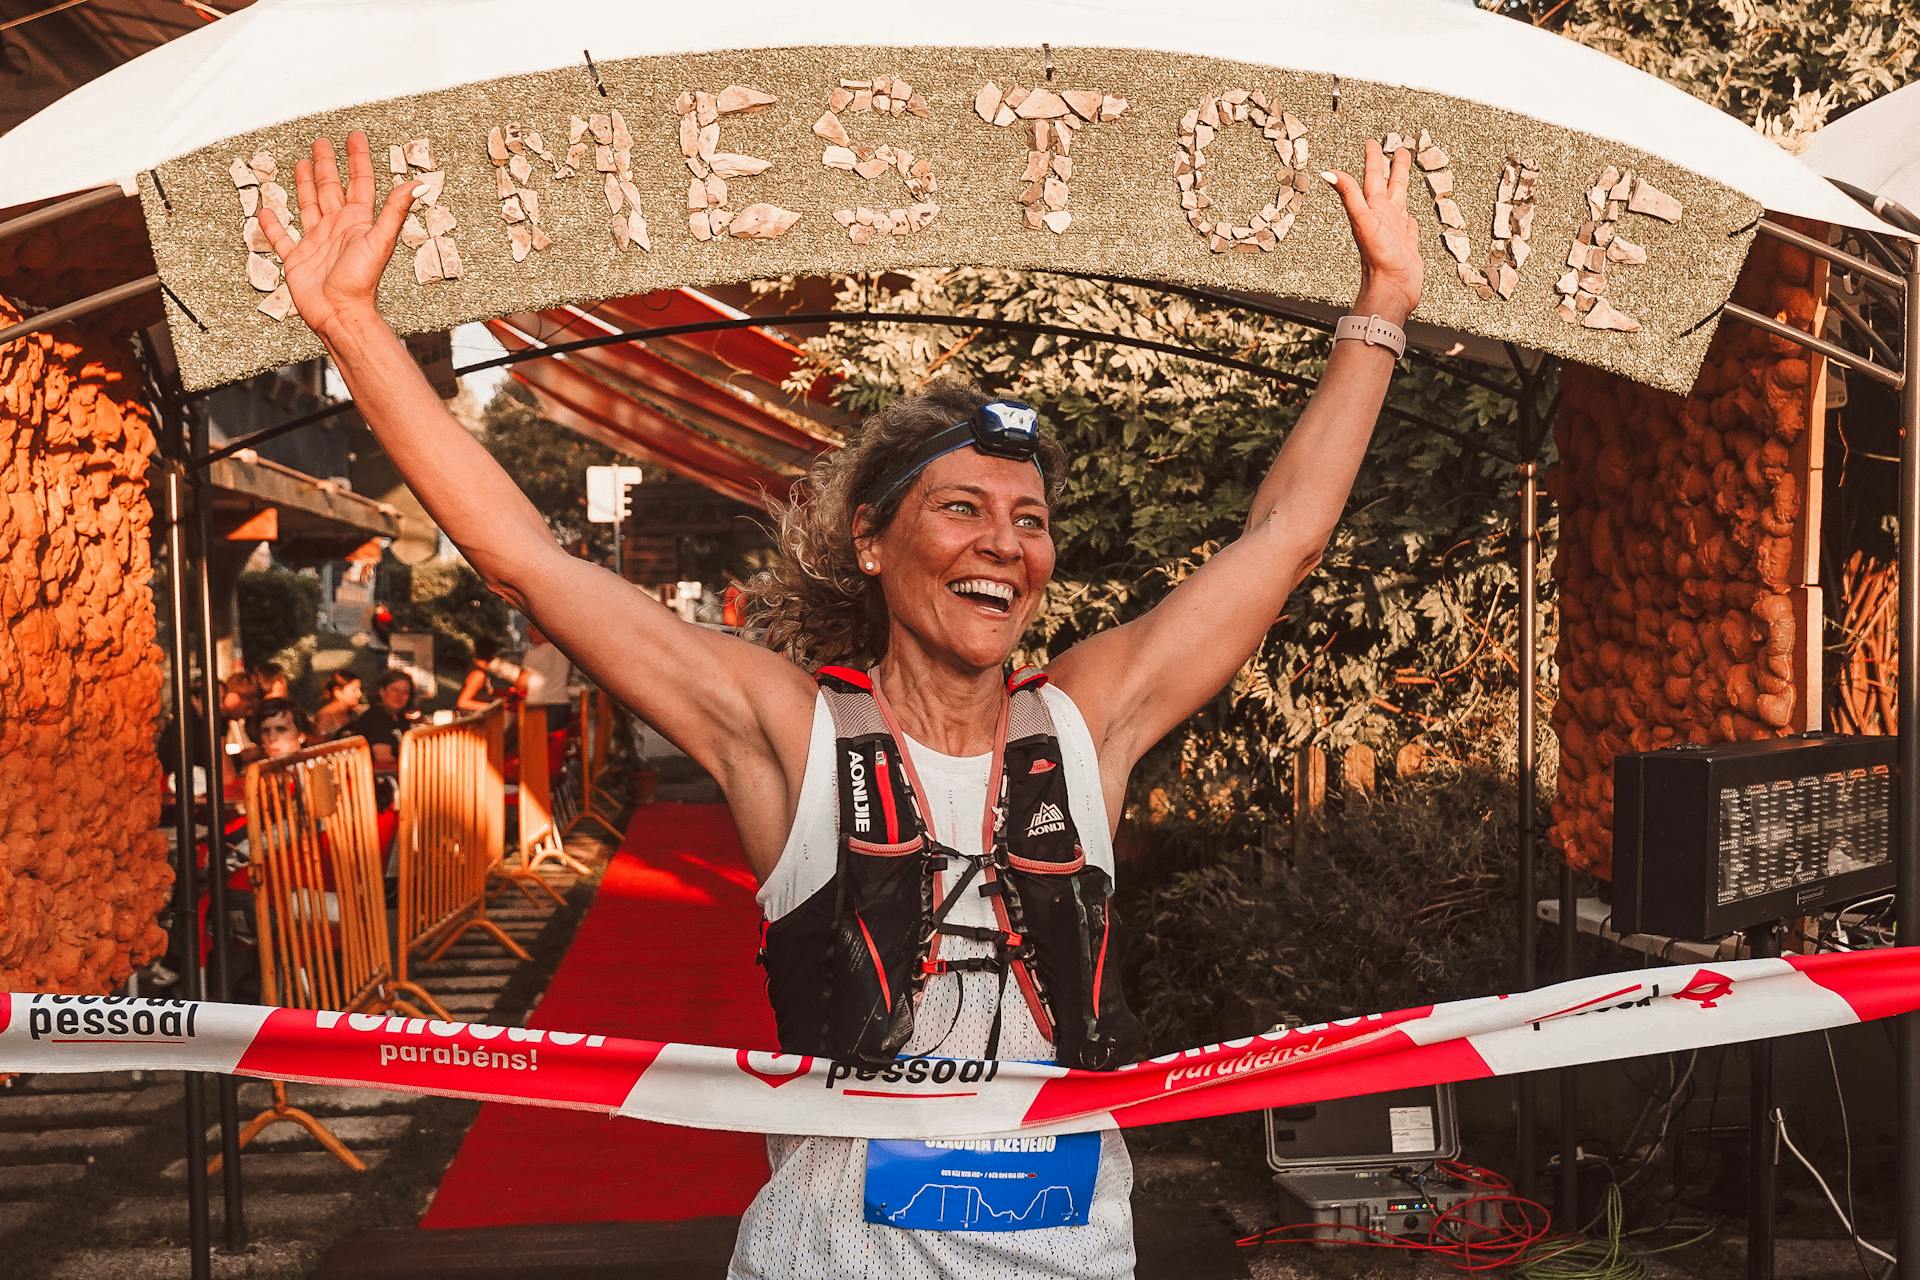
<point x="1391" y="267"/>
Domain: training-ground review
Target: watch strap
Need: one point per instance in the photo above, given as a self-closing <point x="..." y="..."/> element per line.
<point x="1373" y="331"/>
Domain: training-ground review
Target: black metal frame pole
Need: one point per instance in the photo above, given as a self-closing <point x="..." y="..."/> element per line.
<point x="186" y="895"/>
<point x="1907" y="850"/>
<point x="192" y="430"/>
<point x="1763" y="1170"/>
<point x="1527" y="1099"/>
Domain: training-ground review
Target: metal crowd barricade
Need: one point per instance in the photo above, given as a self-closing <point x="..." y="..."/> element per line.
<point x="581" y="793"/>
<point x="320" y="898"/>
<point x="452" y="833"/>
<point x="540" y="838"/>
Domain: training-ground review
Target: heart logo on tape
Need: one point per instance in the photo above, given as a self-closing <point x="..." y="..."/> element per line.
<point x="776" y="1074"/>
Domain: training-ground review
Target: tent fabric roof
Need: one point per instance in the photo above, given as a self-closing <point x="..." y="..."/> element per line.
<point x="402" y="47"/>
<point x="1875" y="147"/>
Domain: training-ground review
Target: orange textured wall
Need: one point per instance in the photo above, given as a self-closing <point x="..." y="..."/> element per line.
<point x="83" y="869"/>
<point x="1681" y="558"/>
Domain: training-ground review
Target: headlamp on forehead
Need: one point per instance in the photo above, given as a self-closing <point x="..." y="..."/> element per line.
<point x="998" y="428"/>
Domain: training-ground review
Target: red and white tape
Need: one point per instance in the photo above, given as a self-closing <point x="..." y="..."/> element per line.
<point x="1594" y="1019"/>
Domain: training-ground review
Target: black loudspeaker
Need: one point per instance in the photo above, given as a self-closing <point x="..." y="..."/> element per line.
<point x="1709" y="839"/>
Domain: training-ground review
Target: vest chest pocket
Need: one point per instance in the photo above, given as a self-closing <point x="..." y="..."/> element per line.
<point x="887" y="897"/>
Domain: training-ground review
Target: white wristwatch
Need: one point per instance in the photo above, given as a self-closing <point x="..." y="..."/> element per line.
<point x="1373" y="331"/>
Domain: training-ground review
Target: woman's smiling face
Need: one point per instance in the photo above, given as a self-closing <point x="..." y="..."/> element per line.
<point x="966" y="557"/>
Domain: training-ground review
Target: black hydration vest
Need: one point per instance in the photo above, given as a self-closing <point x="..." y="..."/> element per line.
<point x="845" y="968"/>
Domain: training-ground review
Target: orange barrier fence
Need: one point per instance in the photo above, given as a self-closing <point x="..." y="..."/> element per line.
<point x="453" y="820"/>
<point x="540" y="836"/>
<point x="320" y="897"/>
<point x="581" y="793"/>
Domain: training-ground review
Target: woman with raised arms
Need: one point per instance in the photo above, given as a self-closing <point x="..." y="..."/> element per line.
<point x="932" y="830"/>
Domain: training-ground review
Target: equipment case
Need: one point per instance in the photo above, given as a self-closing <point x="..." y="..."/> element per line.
<point x="1334" y="1164"/>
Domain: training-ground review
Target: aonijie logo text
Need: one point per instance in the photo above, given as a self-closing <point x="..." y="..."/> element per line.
<point x="125" y="1019"/>
<point x="857" y="780"/>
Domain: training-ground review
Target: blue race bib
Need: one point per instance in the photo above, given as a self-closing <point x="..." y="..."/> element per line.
<point x="982" y="1184"/>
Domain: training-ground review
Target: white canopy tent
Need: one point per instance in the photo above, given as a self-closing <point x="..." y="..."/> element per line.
<point x="178" y="98"/>
<point x="1875" y="149"/>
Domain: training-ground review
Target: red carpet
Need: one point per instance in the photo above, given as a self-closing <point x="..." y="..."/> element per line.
<point x="666" y="953"/>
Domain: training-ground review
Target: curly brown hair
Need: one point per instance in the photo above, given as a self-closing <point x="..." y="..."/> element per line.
<point x="815" y="606"/>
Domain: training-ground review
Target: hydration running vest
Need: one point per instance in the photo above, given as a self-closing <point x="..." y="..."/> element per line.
<point x="845" y="968"/>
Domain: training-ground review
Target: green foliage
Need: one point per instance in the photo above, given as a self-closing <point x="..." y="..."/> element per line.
<point x="1784" y="66"/>
<point x="1383" y="642"/>
<point x="549" y="463"/>
<point x="447" y="598"/>
<point x="1419" y="878"/>
<point x="278" y="608"/>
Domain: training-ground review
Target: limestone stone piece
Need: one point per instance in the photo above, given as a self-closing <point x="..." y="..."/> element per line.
<point x="716" y="190"/>
<point x="1041" y="104"/>
<point x="872" y="167"/>
<point x="924" y="212"/>
<point x="278" y="304"/>
<point x="432" y="184"/>
<point x="1653" y="202"/>
<point x="627" y="189"/>
<point x="843" y="216"/>
<point x="1084" y="103"/>
<point x="828" y="126"/>
<point x="862" y="100"/>
<point x="1604" y="315"/>
<point x="1519" y="251"/>
<point x="439" y="221"/>
<point x="274" y="197"/>
<point x="520" y="241"/>
<point x="515" y="135"/>
<point x="263" y="165"/>
<point x="1111" y="108"/>
<point x="1004" y="116"/>
<point x="610" y="186"/>
<point x="541" y="239"/>
<point x="263" y="273"/>
<point x="883" y="103"/>
<point x="503" y="184"/>
<point x="1470" y="275"/>
<point x="511" y="210"/>
<point x="1568" y="282"/>
<point x="1502" y="221"/>
<point x="1392" y="143"/>
<point x="521" y="169"/>
<point x="577" y="129"/>
<point x="739" y="97"/>
<point x="1440" y="182"/>
<point x="1449" y="213"/>
<point x="1624" y="250"/>
<point x="763" y="222"/>
<point x="600" y="125"/>
<point x="397" y="160"/>
<point x="622" y="236"/>
<point x="839" y="158"/>
<point x="603" y="159"/>
<point x="1055" y="194"/>
<point x="696" y="195"/>
<point x="705" y="109"/>
<point x="731" y="164"/>
<point x="617" y="130"/>
<point x="636" y="231"/>
<point x="413" y="232"/>
<point x="243" y="175"/>
<point x="1016" y="96"/>
<point x="426" y="262"/>
<point x="1431" y="157"/>
<point x="860" y="233"/>
<point x="1523" y="222"/>
<point x="449" y="257"/>
<point x="538" y="145"/>
<point x="255" y="237"/>
<point x="419" y="154"/>
<point x="1503" y="278"/>
<point x="1057" y="220"/>
<point x="698" y="223"/>
<point x="576" y="155"/>
<point x="917" y="105"/>
<point x="1458" y="245"/>
<point x="1063" y="168"/>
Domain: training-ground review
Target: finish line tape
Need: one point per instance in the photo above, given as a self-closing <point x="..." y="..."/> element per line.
<point x="1595" y="1019"/>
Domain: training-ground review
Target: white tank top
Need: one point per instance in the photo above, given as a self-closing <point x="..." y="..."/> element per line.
<point x="808" y="1222"/>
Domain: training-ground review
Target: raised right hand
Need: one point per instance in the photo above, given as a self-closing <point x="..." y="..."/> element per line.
<point x="334" y="266"/>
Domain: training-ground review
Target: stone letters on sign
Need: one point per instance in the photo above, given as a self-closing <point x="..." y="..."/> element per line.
<point x="600" y="145"/>
<point x="1264" y="231"/>
<point x="707" y="214"/>
<point x="1050" y="120"/>
<point x="882" y="95"/>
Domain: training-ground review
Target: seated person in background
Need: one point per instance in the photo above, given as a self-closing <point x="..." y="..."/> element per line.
<point x="272" y="678"/>
<point x="239" y="696"/>
<point x="545" y="674"/>
<point x="278" y="728"/>
<point x="344" y="701"/>
<point x="482" y="687"/>
<point x="391" y="715"/>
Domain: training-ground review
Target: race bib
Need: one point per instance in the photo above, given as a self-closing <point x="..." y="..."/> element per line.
<point x="982" y="1184"/>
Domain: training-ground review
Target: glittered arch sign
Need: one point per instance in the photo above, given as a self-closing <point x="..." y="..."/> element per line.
<point x="719" y="167"/>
